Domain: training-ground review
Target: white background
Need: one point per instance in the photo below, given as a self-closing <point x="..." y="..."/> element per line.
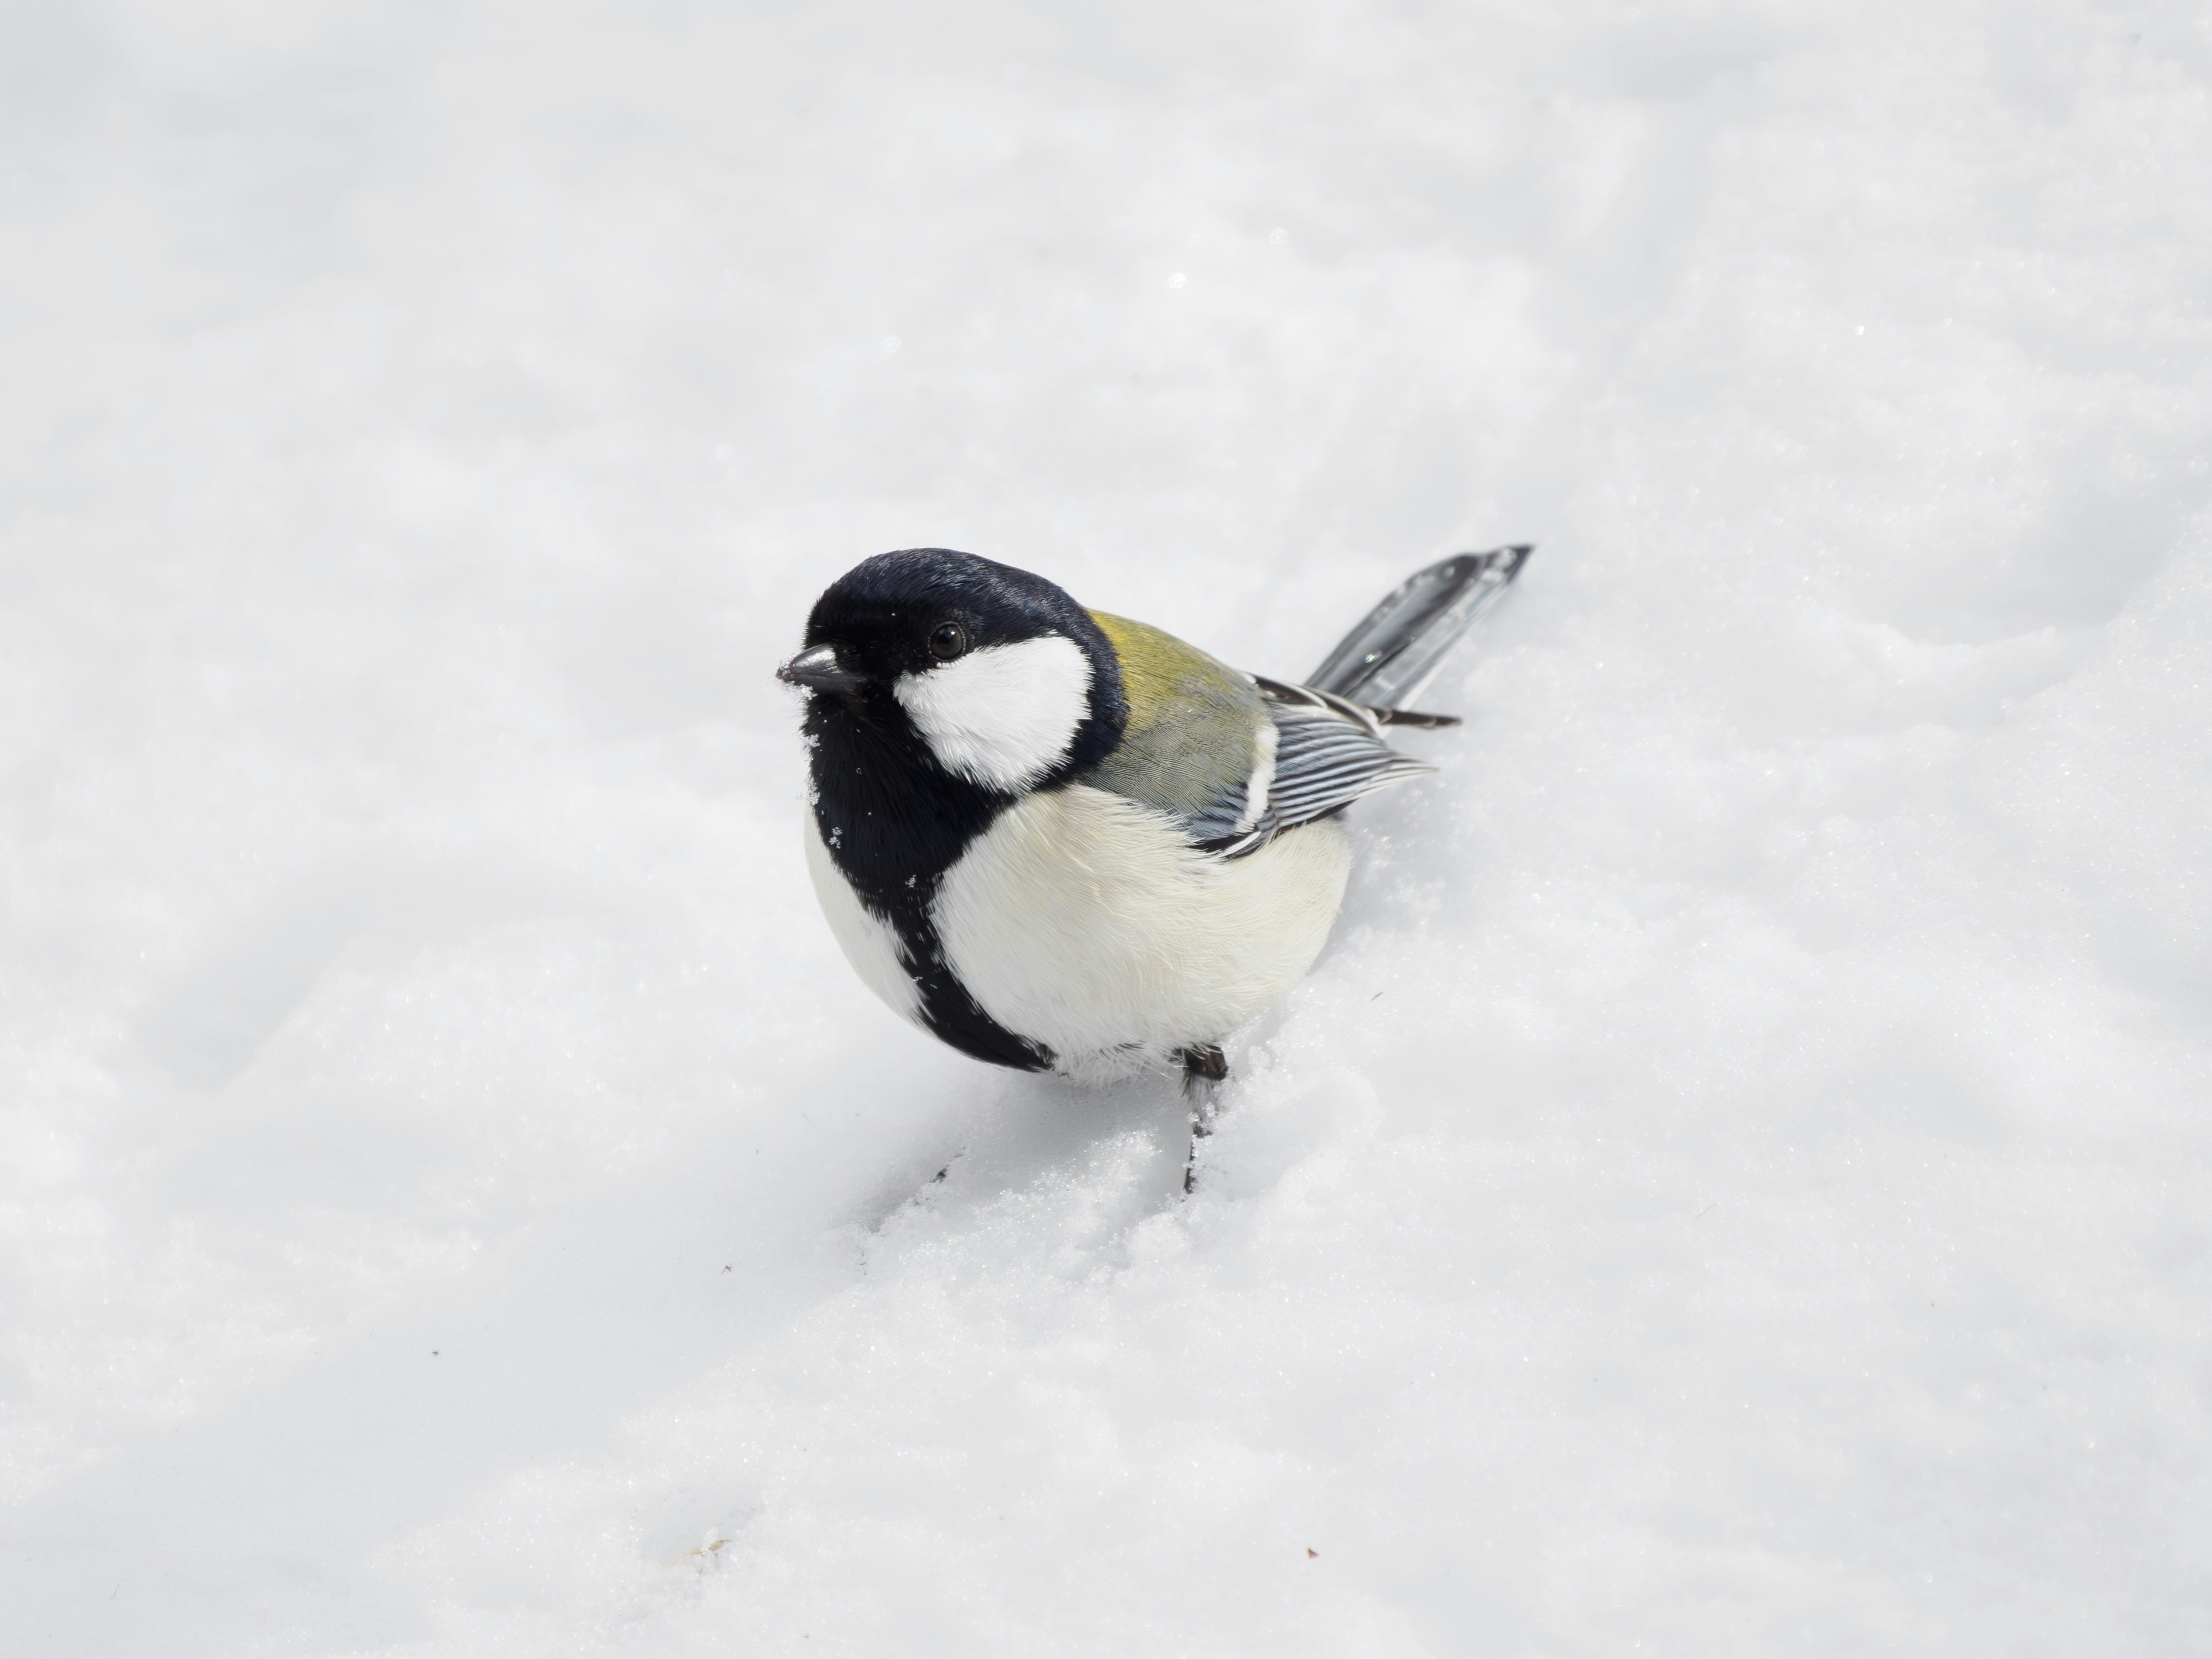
<point x="1736" y="1184"/>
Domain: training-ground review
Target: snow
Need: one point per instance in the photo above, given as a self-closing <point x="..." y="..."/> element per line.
<point x="1739" y="1181"/>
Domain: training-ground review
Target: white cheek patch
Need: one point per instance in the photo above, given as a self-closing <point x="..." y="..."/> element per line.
<point x="1004" y="715"/>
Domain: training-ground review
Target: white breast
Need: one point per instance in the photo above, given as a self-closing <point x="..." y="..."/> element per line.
<point x="1086" y="922"/>
<point x="869" y="942"/>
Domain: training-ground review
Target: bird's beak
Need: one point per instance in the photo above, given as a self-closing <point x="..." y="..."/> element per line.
<point x="817" y="668"/>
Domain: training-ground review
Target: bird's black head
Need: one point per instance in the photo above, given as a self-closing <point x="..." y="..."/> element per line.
<point x="936" y="662"/>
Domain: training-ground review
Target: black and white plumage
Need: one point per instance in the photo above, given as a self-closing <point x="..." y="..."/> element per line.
<point x="1059" y="840"/>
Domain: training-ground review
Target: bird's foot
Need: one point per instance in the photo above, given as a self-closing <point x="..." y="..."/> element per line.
<point x="1204" y="1067"/>
<point x="1202" y="1063"/>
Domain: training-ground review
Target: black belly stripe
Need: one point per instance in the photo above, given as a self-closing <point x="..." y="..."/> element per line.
<point x="949" y="1009"/>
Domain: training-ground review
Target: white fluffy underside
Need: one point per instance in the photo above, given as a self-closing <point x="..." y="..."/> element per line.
<point x="1088" y="923"/>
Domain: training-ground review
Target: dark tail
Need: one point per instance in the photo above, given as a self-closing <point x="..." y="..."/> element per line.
<point x="1386" y="661"/>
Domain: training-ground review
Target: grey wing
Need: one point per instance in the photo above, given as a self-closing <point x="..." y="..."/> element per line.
<point x="1326" y="752"/>
<point x="1225" y="824"/>
<point x="1329" y="751"/>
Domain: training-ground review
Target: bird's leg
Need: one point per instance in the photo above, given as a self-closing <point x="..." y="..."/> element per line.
<point x="1204" y="1066"/>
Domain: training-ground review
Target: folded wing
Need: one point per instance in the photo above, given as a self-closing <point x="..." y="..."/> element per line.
<point x="1328" y="753"/>
<point x="1240" y="758"/>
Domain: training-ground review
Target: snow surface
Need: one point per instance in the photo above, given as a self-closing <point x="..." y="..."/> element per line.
<point x="1739" y="1182"/>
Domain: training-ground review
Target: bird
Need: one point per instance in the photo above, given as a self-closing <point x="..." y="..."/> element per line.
<point x="1061" y="841"/>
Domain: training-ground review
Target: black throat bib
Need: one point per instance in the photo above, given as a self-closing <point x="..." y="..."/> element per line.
<point x="895" y="822"/>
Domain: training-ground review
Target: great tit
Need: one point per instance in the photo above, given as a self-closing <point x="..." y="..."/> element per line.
<point x="1062" y="841"/>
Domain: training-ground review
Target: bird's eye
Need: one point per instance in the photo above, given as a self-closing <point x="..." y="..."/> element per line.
<point x="948" y="641"/>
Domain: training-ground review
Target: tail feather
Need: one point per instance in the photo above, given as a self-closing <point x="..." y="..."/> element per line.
<point x="1386" y="661"/>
